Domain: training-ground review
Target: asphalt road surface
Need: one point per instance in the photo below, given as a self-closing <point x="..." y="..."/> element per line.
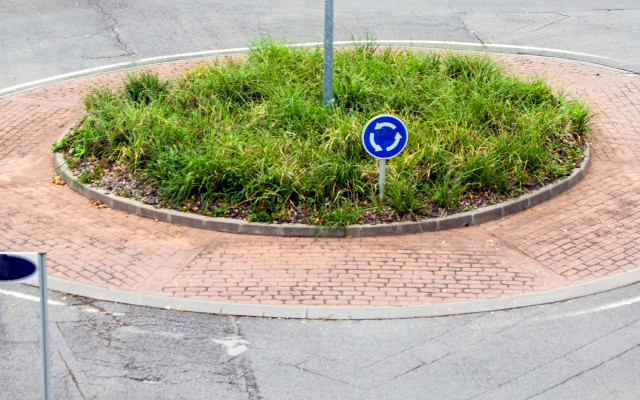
<point x="587" y="348"/>
<point x="39" y="38"/>
<point x="584" y="349"/>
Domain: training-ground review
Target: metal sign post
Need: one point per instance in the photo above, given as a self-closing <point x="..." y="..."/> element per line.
<point x="22" y="267"/>
<point x="44" y="320"/>
<point x="327" y="65"/>
<point x="382" y="176"/>
<point x="384" y="137"/>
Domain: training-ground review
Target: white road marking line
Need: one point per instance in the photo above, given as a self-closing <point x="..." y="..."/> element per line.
<point x="29" y="297"/>
<point x="212" y="53"/>
<point x="610" y="306"/>
<point x="605" y="307"/>
<point x="36" y="299"/>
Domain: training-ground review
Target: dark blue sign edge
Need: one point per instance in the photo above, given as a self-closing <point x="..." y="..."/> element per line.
<point x="372" y="120"/>
<point x="14" y="268"/>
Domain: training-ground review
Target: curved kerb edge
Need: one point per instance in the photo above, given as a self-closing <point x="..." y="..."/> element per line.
<point x="229" y="225"/>
<point x="349" y="313"/>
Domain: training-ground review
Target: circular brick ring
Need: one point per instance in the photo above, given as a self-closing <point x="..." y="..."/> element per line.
<point x="582" y="243"/>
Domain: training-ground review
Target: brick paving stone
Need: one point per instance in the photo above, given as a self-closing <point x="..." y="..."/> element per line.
<point x="590" y="231"/>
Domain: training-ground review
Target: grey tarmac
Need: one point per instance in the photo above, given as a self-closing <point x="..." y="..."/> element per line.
<point x="83" y="34"/>
<point x="588" y="348"/>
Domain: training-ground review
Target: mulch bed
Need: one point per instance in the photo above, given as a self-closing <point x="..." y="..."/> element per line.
<point x="119" y="180"/>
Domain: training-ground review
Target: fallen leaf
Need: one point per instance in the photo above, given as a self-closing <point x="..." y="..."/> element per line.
<point x="97" y="204"/>
<point x="58" y="181"/>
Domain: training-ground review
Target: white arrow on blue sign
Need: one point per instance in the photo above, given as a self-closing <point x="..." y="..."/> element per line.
<point x="384" y="136"/>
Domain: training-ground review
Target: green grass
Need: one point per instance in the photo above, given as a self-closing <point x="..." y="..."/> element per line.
<point x="252" y="133"/>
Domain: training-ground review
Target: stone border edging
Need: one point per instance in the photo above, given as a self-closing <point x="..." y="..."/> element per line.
<point x="348" y="313"/>
<point x="229" y="225"/>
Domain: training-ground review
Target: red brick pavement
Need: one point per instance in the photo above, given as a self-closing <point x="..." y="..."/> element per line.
<point x="589" y="232"/>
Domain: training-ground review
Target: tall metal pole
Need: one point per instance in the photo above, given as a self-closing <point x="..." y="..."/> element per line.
<point x="327" y="65"/>
<point x="44" y="319"/>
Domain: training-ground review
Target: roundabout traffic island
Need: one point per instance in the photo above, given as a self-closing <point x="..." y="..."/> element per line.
<point x="245" y="145"/>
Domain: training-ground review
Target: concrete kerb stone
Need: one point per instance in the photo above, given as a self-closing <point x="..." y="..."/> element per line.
<point x="349" y="313"/>
<point x="461" y="220"/>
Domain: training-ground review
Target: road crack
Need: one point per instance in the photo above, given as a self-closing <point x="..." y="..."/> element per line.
<point x="563" y="17"/>
<point x="72" y="375"/>
<point x="585" y="371"/>
<point x="298" y="367"/>
<point x="112" y="25"/>
<point x="468" y="29"/>
<point x="561" y="357"/>
<point x="245" y="371"/>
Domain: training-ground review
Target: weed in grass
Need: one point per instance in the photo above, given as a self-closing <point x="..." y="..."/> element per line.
<point x="338" y="216"/>
<point x="254" y="132"/>
<point x="447" y="189"/>
<point x="404" y="196"/>
<point x="124" y="193"/>
<point x="88" y="176"/>
<point x="260" y="216"/>
<point x="221" y="209"/>
<point x="144" y="88"/>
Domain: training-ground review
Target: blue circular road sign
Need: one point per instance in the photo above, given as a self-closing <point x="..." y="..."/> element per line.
<point x="13" y="268"/>
<point x="384" y="136"/>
